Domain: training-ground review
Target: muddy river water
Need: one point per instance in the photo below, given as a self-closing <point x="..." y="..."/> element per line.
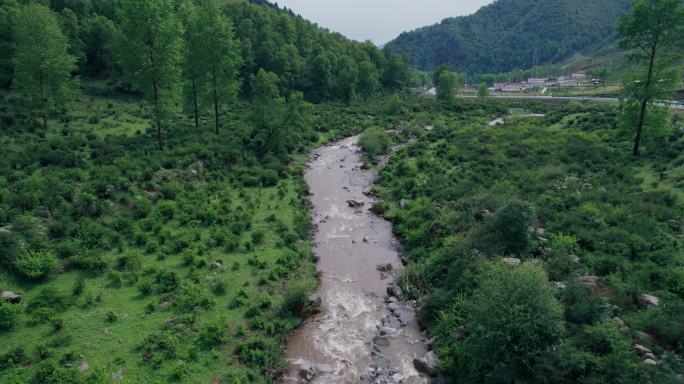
<point x="362" y="334"/>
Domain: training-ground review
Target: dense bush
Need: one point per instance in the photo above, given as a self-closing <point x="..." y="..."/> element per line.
<point x="456" y="199"/>
<point x="36" y="264"/>
<point x="375" y="142"/>
<point x="8" y="315"/>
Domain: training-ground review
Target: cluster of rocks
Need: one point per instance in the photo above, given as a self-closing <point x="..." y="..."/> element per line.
<point x="647" y="355"/>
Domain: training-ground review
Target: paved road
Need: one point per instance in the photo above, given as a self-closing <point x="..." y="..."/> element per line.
<point x="610" y="100"/>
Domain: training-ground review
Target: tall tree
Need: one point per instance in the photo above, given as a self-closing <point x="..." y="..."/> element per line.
<point x="368" y="79"/>
<point x="446" y="85"/>
<point x="483" y="91"/>
<point x="268" y="112"/>
<point x="396" y="73"/>
<point x="220" y="55"/>
<point x="42" y="65"/>
<point x="653" y="30"/>
<point x="192" y="59"/>
<point x="345" y="81"/>
<point x="148" y="46"/>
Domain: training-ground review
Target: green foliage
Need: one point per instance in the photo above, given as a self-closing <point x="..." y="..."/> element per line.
<point x="511" y="34"/>
<point x="512" y="319"/>
<point x="148" y="45"/>
<point x="8" y="315"/>
<point x="36" y="264"/>
<point x="512" y="227"/>
<point x="483" y="90"/>
<point x="42" y="65"/>
<point x="653" y="31"/>
<point x="218" y="55"/>
<point x="454" y="198"/>
<point x="446" y="84"/>
<point x="375" y="142"/>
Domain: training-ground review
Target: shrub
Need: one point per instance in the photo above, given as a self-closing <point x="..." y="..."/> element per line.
<point x="212" y="335"/>
<point x="296" y="299"/>
<point x="511" y="320"/>
<point x="512" y="227"/>
<point x="192" y="297"/>
<point x="36" y="264"/>
<point x="375" y="142"/>
<point x="8" y="315"/>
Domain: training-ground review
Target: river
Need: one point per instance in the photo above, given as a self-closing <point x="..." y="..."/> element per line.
<point x="360" y="335"/>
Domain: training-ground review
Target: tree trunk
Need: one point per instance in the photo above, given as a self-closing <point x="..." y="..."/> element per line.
<point x="157" y="114"/>
<point x="644" y="103"/>
<point x="43" y="102"/>
<point x="194" y="100"/>
<point x="216" y="108"/>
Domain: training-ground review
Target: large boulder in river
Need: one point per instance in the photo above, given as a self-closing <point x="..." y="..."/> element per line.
<point x="428" y="364"/>
<point x="11" y="297"/>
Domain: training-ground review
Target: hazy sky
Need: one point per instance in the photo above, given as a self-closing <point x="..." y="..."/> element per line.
<point x="379" y="20"/>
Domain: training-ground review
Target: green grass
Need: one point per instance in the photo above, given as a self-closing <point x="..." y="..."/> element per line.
<point x="117" y="157"/>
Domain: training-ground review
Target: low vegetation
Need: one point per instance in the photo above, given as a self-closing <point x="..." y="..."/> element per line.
<point x="535" y="247"/>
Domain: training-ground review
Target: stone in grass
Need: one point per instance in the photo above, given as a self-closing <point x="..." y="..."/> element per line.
<point x="511" y="261"/>
<point x="83" y="367"/>
<point x="646" y="301"/>
<point x="11" y="297"/>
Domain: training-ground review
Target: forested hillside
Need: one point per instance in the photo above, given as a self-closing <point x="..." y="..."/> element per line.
<point x="510" y="34"/>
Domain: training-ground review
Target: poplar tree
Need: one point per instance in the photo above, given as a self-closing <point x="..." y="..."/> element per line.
<point x="219" y="55"/>
<point x="149" y="50"/>
<point x="192" y="63"/>
<point x="654" y="32"/>
<point x="42" y="64"/>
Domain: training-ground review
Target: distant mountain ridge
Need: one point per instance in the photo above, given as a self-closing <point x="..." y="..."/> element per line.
<point x="510" y="34"/>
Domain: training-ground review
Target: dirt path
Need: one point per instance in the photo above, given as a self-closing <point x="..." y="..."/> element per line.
<point x="361" y="334"/>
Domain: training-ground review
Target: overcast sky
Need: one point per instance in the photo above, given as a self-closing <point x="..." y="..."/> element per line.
<point x="379" y="20"/>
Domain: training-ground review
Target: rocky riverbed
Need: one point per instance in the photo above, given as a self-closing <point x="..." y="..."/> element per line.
<point x="364" y="332"/>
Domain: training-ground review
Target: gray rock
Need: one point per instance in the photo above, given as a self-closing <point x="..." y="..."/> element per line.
<point x="43" y="213"/>
<point x="617" y="321"/>
<point x="679" y="379"/>
<point x="323" y="369"/>
<point x="83" y="367"/>
<point x="381" y="341"/>
<point x="355" y="203"/>
<point x="511" y="261"/>
<point x="640" y="349"/>
<point x="11" y="297"/>
<point x="588" y="280"/>
<point x="646" y="300"/>
<point x="307" y="372"/>
<point x="384" y="267"/>
<point x="645" y="337"/>
<point x="393" y="290"/>
<point x="650" y="362"/>
<point x="559" y="285"/>
<point x="649" y="356"/>
<point x="427" y="364"/>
